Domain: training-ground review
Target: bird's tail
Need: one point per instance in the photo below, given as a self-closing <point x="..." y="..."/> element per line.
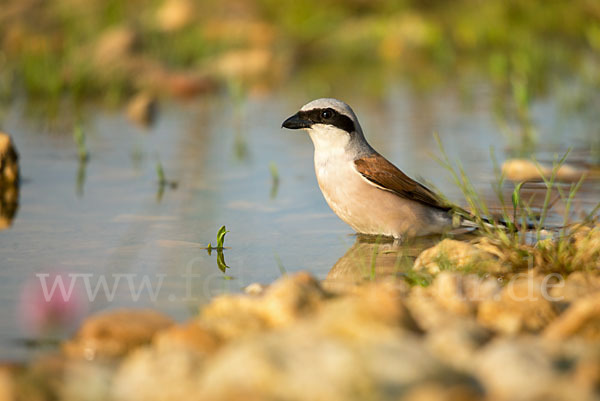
<point x="465" y="219"/>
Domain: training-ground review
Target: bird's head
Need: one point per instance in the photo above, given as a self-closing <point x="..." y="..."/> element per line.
<point x="329" y="122"/>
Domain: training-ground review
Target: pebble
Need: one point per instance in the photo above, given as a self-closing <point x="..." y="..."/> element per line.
<point x="114" y="333"/>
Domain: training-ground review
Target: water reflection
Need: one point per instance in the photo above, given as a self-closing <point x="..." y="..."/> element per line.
<point x="80" y="178"/>
<point x="372" y="258"/>
<point x="9" y="181"/>
<point x="9" y="204"/>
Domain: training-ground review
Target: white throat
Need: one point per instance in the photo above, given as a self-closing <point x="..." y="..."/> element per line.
<point x="332" y="156"/>
<point x="328" y="139"/>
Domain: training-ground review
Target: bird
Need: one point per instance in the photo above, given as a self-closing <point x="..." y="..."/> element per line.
<point x="362" y="187"/>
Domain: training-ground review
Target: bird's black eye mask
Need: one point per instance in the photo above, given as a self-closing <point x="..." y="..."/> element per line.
<point x="306" y="118"/>
<point x="328" y="116"/>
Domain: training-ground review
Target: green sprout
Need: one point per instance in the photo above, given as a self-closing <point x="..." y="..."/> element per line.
<point x="280" y="265"/>
<point x="160" y="172"/>
<point x="163" y="181"/>
<point x="516" y="200"/>
<point x="219" y="248"/>
<point x="221" y="262"/>
<point x="79" y="137"/>
<point x="274" y="179"/>
<point x="221" y="237"/>
<point x="220" y="241"/>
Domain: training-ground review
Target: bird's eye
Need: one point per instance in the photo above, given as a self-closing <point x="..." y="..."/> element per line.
<point x="326" y="114"/>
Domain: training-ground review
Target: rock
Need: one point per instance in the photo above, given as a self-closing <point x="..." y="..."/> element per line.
<point x="577" y="284"/>
<point x="427" y="312"/>
<point x="279" y="365"/>
<point x="586" y="242"/>
<point x="238" y="30"/>
<point x="158" y="374"/>
<point x="42" y="379"/>
<point x="9" y="180"/>
<point x="521" y="369"/>
<point x="114" y="49"/>
<point x="450" y="296"/>
<point x="8" y="386"/>
<point x="180" y="84"/>
<point x="458" y="342"/>
<point x="586" y="372"/>
<point x="191" y="336"/>
<point x="438" y="392"/>
<point x="352" y="346"/>
<point x="283" y="302"/>
<point x="142" y="109"/>
<point x="448" y="291"/>
<point x="9" y="204"/>
<point x="245" y="64"/>
<point x="581" y="319"/>
<point x="369" y="309"/>
<point x="86" y="381"/>
<point x="480" y="288"/>
<point x="113" y="334"/>
<point x="522" y="305"/>
<point x="526" y="170"/>
<point x="9" y="162"/>
<point x="174" y="15"/>
<point x="453" y="255"/>
<point x="255" y="289"/>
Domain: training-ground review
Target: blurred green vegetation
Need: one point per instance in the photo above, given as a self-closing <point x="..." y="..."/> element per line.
<point x="109" y="49"/>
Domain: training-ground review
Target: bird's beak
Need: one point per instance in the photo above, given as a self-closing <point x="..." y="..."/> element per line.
<point x="295" y="122"/>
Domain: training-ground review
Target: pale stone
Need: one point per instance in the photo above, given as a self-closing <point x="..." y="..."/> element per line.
<point x="245" y="63"/>
<point x="521" y="369"/>
<point x="191" y="335"/>
<point x="283" y="302"/>
<point x="581" y="319"/>
<point x="577" y="284"/>
<point x="114" y="46"/>
<point x="255" y="289"/>
<point x="451" y="254"/>
<point x="522" y="305"/>
<point x="9" y="161"/>
<point x="114" y="333"/>
<point x="299" y="364"/>
<point x="8" y="386"/>
<point x="526" y="170"/>
<point x="86" y="381"/>
<point x="142" y="109"/>
<point x="151" y="374"/>
<point x="451" y="295"/>
<point x="458" y="342"/>
<point x="174" y="15"/>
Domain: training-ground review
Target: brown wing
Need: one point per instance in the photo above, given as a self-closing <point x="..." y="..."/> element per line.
<point x="387" y="176"/>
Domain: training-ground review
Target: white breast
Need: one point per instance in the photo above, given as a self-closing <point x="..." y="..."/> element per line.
<point x="365" y="207"/>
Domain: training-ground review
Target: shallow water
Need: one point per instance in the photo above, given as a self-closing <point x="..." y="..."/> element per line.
<point x="107" y="220"/>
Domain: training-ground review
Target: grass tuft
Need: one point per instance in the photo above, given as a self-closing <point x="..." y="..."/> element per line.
<point x="563" y="249"/>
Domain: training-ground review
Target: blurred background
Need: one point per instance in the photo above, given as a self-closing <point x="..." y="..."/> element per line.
<point x="143" y="126"/>
<point x="107" y="50"/>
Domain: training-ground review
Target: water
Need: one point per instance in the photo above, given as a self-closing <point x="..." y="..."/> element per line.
<point x="107" y="220"/>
